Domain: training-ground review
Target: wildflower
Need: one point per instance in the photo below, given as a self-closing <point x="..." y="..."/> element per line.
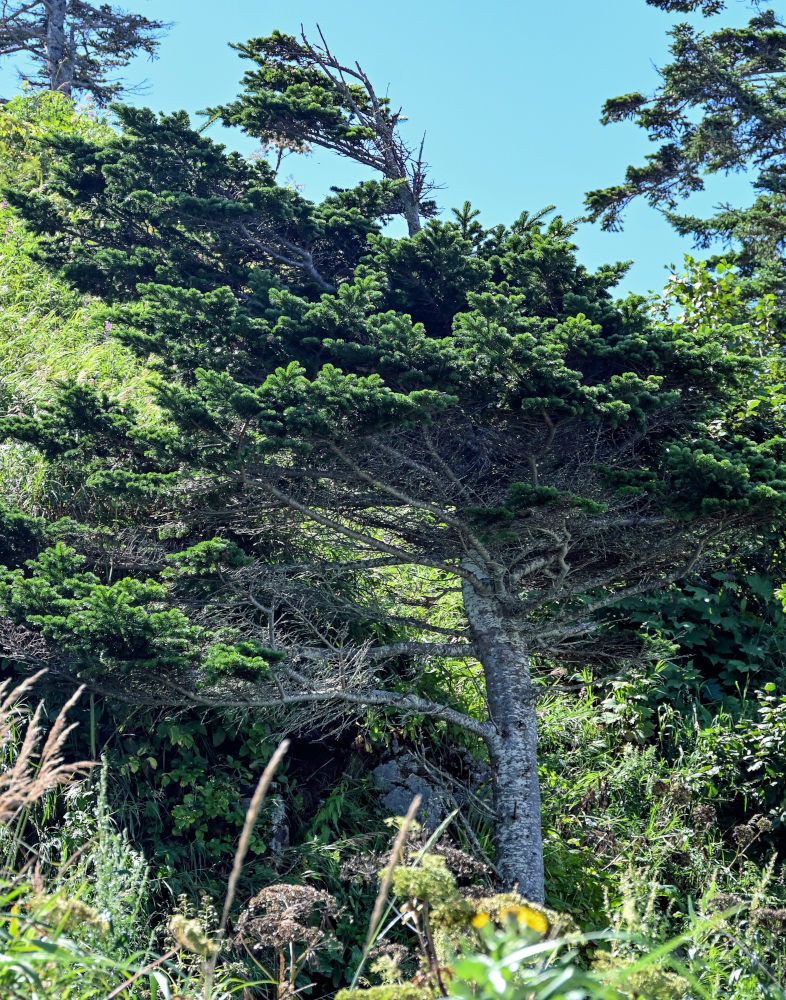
<point x="283" y="914"/>
<point x="107" y="326"/>
<point x="69" y="914"/>
<point x="770" y="917"/>
<point x="721" y="901"/>
<point x="655" y="982"/>
<point x="680" y="794"/>
<point x="431" y="881"/>
<point x="744" y="834"/>
<point x="527" y="916"/>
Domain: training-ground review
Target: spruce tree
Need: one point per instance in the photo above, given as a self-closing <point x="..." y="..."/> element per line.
<point x="361" y="432"/>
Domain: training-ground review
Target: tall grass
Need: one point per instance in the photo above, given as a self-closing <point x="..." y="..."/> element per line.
<point x="50" y="334"/>
<point x="33" y="762"/>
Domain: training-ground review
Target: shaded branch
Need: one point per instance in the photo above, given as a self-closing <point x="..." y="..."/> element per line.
<point x="372" y="542"/>
<point x="409" y="703"/>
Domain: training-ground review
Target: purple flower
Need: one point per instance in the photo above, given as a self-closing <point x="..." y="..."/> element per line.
<point x="107" y="326"/>
<point x="3" y="204"/>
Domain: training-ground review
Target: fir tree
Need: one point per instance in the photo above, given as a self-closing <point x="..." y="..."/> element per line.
<point x="301" y="94"/>
<point x="719" y="109"/>
<point x="364" y="433"/>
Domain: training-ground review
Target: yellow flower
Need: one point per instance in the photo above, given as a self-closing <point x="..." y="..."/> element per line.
<point x="533" y="919"/>
<point x="480" y="920"/>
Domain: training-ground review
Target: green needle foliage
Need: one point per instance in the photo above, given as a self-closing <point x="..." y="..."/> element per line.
<point x="468" y="407"/>
<point x="719" y="109"/>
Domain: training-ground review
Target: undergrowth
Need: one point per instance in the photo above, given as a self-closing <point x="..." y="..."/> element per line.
<point x="657" y="888"/>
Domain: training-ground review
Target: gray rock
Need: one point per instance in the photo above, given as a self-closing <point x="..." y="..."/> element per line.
<point x="400" y="782"/>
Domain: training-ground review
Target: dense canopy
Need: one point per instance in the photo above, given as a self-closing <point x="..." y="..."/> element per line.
<point x="425" y="498"/>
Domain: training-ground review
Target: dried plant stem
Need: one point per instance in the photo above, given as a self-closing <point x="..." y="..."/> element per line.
<point x="382" y="895"/>
<point x="240" y="856"/>
<point x="431" y="951"/>
<point x="148" y="968"/>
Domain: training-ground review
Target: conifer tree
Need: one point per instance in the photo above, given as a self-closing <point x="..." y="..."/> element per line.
<point x="361" y="432"/>
<point x="301" y="94"/>
<point x="75" y="45"/>
<point x="705" y="7"/>
<point x="718" y="109"/>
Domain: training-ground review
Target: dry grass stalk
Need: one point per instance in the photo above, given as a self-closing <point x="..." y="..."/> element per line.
<point x="248" y="827"/>
<point x="30" y="774"/>
<point x="387" y="878"/>
<point x="254" y="808"/>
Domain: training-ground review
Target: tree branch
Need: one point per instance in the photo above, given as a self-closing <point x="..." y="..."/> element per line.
<point x="306" y="262"/>
<point x="458" y="650"/>
<point x="372" y="542"/>
<point x="409" y="703"/>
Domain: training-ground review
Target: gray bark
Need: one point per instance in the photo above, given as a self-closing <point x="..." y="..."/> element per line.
<point x="512" y="743"/>
<point x="58" y="52"/>
<point x="409" y="209"/>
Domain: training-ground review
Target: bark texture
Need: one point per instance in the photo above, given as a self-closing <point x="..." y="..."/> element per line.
<point x="410" y="210"/>
<point x="512" y="743"/>
<point x="58" y="56"/>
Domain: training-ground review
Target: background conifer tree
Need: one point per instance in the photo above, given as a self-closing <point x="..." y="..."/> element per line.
<point x="76" y="46"/>
<point x="719" y="109"/>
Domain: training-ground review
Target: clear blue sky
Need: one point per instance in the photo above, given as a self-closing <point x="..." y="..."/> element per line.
<point x="509" y="94"/>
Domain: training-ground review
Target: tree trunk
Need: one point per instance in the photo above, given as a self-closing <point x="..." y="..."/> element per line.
<point x="59" y="59"/>
<point x="395" y="170"/>
<point x="410" y="209"/>
<point x="512" y="744"/>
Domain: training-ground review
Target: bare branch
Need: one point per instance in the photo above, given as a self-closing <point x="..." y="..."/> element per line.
<point x="371" y="541"/>
<point x="304" y="262"/>
<point x="414" y="648"/>
<point x="407" y="703"/>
